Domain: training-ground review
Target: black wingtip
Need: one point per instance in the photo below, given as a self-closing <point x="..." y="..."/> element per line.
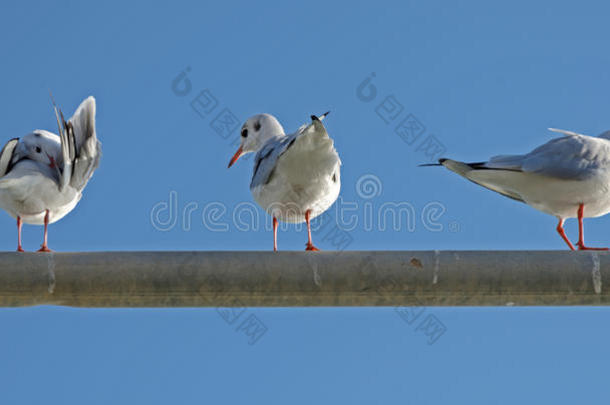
<point x="320" y="118"/>
<point x="440" y="163"/>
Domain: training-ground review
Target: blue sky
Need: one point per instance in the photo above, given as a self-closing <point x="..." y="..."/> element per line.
<point x="479" y="79"/>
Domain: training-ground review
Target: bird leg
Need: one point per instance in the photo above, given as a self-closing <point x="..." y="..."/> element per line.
<point x="309" y="244"/>
<point x="44" y="247"/>
<point x="274" y="234"/>
<point x="563" y="234"/>
<point x="19" y="223"/>
<point x="581" y="233"/>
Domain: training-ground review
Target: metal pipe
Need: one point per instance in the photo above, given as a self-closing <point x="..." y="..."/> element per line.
<point x="286" y="279"/>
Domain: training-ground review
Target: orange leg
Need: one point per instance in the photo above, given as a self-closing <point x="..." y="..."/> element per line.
<point x="19" y="223"/>
<point x="581" y="233"/>
<point x="309" y="244"/>
<point x="274" y="234"/>
<point x="563" y="234"/>
<point x="45" y="247"/>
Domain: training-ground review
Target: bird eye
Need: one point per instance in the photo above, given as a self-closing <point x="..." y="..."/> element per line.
<point x="244" y="133"/>
<point x="38" y="150"/>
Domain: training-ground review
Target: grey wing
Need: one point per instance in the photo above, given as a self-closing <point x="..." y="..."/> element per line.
<point x="6" y="156"/>
<point x="266" y="159"/>
<point x="81" y="151"/>
<point x="573" y="157"/>
<point x="505" y="162"/>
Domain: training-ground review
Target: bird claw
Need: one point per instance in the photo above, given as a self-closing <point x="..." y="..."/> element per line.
<point x="20" y="249"/>
<point x="45" y="249"/>
<point x="583" y="247"/>
<point x="311" y="247"/>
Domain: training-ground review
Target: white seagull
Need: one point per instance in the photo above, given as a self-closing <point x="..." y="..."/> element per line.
<point x="42" y="175"/>
<point x="296" y="177"/>
<point x="567" y="177"/>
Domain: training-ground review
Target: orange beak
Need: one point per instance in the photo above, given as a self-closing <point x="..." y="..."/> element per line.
<point x="235" y="156"/>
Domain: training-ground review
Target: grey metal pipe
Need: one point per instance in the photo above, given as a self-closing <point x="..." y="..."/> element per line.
<point x="285" y="279"/>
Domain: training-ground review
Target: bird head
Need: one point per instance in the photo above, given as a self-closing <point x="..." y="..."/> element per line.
<point x="255" y="132"/>
<point x="39" y="146"/>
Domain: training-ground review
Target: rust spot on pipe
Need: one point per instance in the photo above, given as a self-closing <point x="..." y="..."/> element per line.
<point x="415" y="262"/>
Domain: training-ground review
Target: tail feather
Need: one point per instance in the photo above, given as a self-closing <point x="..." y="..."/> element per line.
<point x="466" y="170"/>
<point x="88" y="148"/>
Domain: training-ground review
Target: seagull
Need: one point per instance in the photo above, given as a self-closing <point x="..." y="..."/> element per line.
<point x="42" y="175"/>
<point x="296" y="177"/>
<point x="567" y="177"/>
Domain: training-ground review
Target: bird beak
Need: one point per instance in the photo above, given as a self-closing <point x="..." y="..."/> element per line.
<point x="236" y="156"/>
<point x="52" y="163"/>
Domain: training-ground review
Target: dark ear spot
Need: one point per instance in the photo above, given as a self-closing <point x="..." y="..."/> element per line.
<point x="334" y="177"/>
<point x="36" y="134"/>
<point x="257" y="125"/>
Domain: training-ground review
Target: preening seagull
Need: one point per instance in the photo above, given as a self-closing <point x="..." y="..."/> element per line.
<point x="42" y="175"/>
<point x="567" y="177"/>
<point x="296" y="177"/>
